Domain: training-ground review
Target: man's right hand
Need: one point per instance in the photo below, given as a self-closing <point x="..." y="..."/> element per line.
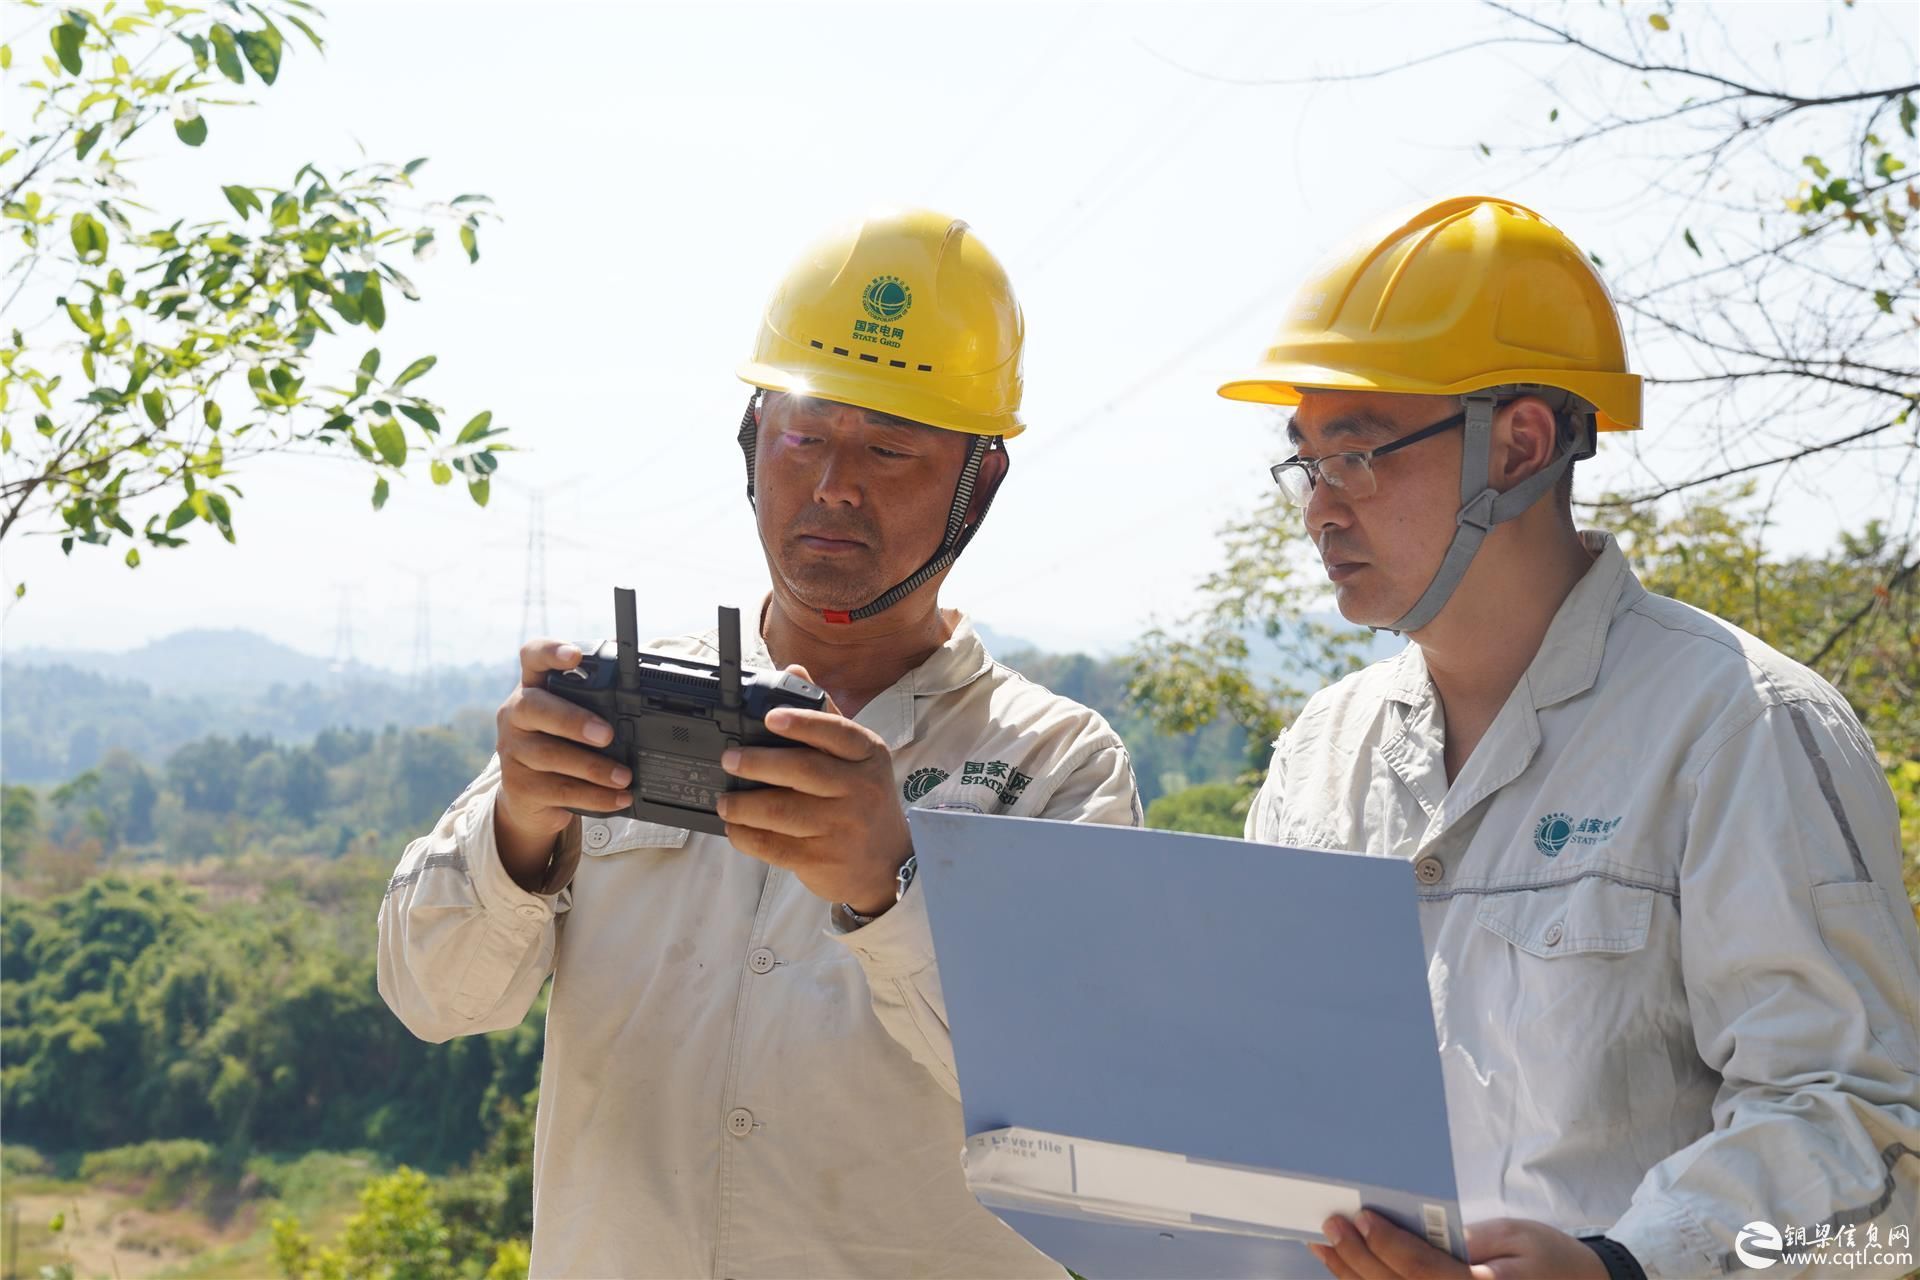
<point x="547" y="765"/>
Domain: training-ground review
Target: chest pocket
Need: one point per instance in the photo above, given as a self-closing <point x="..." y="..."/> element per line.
<point x="601" y="837"/>
<point x="1591" y="915"/>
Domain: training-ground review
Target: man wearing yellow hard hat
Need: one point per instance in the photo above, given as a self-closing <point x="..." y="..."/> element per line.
<point x="1674" y="972"/>
<point x="747" y="1068"/>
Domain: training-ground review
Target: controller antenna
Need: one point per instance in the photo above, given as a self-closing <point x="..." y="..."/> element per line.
<point x="626" y="631"/>
<point x="729" y="659"/>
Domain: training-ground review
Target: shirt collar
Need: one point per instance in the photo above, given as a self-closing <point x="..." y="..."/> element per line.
<point x="1569" y="658"/>
<point x="1568" y="661"/>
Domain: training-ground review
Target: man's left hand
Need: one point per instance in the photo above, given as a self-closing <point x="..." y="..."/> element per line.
<point x="1371" y="1248"/>
<point x="831" y="812"/>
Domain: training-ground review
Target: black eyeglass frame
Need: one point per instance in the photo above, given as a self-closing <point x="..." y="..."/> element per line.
<point x="1312" y="465"/>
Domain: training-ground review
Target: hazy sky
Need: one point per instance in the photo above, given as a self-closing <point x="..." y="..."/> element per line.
<point x="657" y="167"/>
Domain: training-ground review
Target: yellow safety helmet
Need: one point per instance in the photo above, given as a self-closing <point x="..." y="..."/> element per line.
<point x="904" y="313"/>
<point x="1471" y="293"/>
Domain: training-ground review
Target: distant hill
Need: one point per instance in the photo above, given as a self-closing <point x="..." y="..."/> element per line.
<point x="62" y="711"/>
<point x="202" y="660"/>
<point x="58" y="719"/>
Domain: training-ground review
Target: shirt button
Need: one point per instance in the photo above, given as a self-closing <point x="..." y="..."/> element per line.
<point x="739" y="1122"/>
<point x="529" y="911"/>
<point x="597" y="835"/>
<point x="760" y="960"/>
<point x="1429" y="870"/>
<point x="1553" y="933"/>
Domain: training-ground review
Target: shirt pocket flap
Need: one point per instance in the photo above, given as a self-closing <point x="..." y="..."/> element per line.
<point x="624" y="834"/>
<point x="1589" y="915"/>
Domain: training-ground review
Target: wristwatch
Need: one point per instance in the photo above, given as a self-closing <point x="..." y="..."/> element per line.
<point x="901" y="879"/>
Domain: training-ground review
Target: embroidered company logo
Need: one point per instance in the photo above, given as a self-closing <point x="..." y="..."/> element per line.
<point x="997" y="776"/>
<point x="887" y="298"/>
<point x="921" y="781"/>
<point x="1556" y="831"/>
<point x="1551" y="833"/>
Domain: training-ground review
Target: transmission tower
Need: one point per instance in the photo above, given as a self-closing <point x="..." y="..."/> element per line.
<point x="342" y="657"/>
<point x="533" y="601"/>
<point x="422" y="631"/>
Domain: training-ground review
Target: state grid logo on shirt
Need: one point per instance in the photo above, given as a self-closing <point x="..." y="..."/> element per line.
<point x="1555" y="831"/>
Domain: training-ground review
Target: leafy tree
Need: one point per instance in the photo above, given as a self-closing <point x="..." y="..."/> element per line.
<point x="1213" y="808"/>
<point x="1250" y="652"/>
<point x="19" y="821"/>
<point x="192" y="347"/>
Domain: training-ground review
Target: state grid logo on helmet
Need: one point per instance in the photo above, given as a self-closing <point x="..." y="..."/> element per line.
<point x="887" y="298"/>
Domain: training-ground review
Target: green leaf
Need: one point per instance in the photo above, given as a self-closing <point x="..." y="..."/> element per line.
<point x="373" y="304"/>
<point x="1658" y="21"/>
<point x="1818" y="166"/>
<point x="211" y="411"/>
<point x="89" y="237"/>
<point x="1691" y="244"/>
<point x="472" y="246"/>
<point x="479" y="490"/>
<point x="415" y="369"/>
<point x="221" y="515"/>
<point x="379" y="493"/>
<point x="66" y="45"/>
<point x="19" y="589"/>
<point x="425" y="418"/>
<point x="84" y="143"/>
<point x="156" y="406"/>
<point x="6" y="56"/>
<point x="1484" y="150"/>
<point x="307" y="31"/>
<point x="440" y="472"/>
<point x="475" y="429"/>
<point x="182" y="514"/>
<point x="226" y="53"/>
<point x="1883" y="300"/>
<point x="263" y="52"/>
<point x="1908" y="112"/>
<point x="192" y="132"/>
<point x="1553" y="115"/>
<point x="243" y="199"/>
<point x="369" y="364"/>
<point x="413" y="166"/>
<point x="390" y="441"/>
<point x="133" y="557"/>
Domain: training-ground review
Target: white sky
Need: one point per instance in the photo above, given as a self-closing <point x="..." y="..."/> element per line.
<point x="657" y="167"/>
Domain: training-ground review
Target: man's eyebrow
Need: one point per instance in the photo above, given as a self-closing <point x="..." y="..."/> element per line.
<point x="1363" y="425"/>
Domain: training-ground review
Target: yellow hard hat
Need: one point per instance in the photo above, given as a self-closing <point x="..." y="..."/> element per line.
<point x="1471" y="293"/>
<point x="905" y="313"/>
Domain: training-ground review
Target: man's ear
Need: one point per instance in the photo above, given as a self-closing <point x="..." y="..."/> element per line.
<point x="1525" y="436"/>
<point x="993" y="469"/>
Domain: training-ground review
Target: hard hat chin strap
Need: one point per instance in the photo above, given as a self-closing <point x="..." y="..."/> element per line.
<point x="959" y="531"/>
<point x="1482" y="506"/>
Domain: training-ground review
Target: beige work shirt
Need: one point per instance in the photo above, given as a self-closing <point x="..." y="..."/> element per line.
<point x="735" y="1083"/>
<point x="1674" y="972"/>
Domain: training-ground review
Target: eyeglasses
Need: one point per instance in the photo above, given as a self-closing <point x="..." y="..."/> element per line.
<point x="1350" y="472"/>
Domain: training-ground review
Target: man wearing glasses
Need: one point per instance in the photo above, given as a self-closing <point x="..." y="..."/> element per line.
<point x="1674" y="972"/>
